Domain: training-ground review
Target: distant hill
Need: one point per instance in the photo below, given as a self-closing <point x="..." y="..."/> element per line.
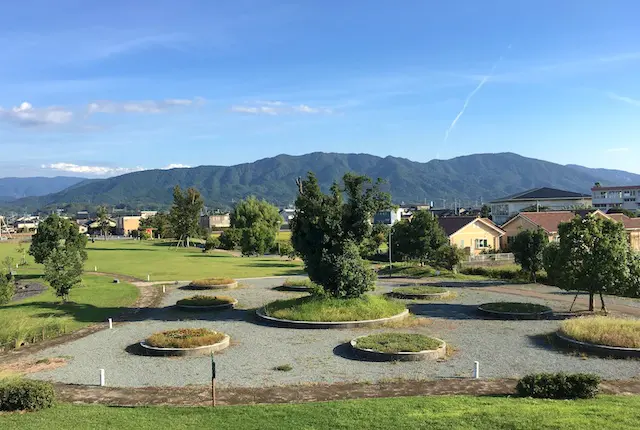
<point x="469" y="178"/>
<point x="15" y="188"/>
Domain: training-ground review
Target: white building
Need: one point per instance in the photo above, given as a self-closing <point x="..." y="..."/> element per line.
<point x="623" y="197"/>
<point x="389" y="217"/>
<point x="548" y="198"/>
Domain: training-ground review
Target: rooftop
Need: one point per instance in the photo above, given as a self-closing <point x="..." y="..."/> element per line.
<point x="542" y="193"/>
<point x="451" y="224"/>
<point x="620" y="188"/>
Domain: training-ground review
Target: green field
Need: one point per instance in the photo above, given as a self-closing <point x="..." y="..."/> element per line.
<point x="163" y="262"/>
<point x="446" y="412"/>
<point x="96" y="300"/>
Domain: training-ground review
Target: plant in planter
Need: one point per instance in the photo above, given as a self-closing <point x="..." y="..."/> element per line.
<point x="185" y="338"/>
<point x="600" y="330"/>
<point x="212" y="283"/>
<point x="201" y="300"/>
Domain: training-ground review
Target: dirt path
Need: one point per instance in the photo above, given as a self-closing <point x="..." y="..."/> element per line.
<point x="201" y="395"/>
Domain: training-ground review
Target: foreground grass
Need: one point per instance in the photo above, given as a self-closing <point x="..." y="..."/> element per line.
<point x="312" y="308"/>
<point x="604" y="331"/>
<point x="398" y="342"/>
<point x="162" y="262"/>
<point x="44" y="315"/>
<point x="446" y="413"/>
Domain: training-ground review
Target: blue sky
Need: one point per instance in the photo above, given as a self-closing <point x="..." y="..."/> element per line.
<point x="103" y="88"/>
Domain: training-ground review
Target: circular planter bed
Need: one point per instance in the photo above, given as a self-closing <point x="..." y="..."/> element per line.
<point x="515" y="310"/>
<point x="609" y="337"/>
<point x="212" y="284"/>
<point x="302" y="285"/>
<point x="185" y="342"/>
<point x="425" y="292"/>
<point x="398" y="347"/>
<point x="203" y="303"/>
<point x="313" y="312"/>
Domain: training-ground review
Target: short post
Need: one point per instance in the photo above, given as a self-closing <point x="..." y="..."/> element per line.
<point x="102" y="377"/>
<point x="164" y="288"/>
<point x="95" y="268"/>
<point x="390" y="263"/>
<point x="148" y="277"/>
<point x="476" y="369"/>
<point x="110" y="323"/>
<point x="213" y="382"/>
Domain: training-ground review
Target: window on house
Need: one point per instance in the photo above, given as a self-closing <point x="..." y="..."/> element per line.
<point x="462" y="243"/>
<point x="481" y="243"/>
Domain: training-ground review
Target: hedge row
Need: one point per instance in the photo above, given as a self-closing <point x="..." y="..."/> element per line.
<point x="559" y="386"/>
<point x="24" y="394"/>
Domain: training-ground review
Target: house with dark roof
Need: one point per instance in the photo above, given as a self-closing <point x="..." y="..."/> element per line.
<point x="472" y="234"/>
<point x="548" y="198"/>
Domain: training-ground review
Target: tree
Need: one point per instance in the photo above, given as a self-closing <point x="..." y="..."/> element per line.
<point x="595" y="257"/>
<point x="326" y="231"/>
<point x="448" y="256"/>
<point x="103" y="221"/>
<point x="161" y="224"/>
<point x="485" y="211"/>
<point x="379" y="235"/>
<point x="551" y="262"/>
<point x="527" y="248"/>
<point x="211" y="243"/>
<point x="54" y="233"/>
<point x="7" y="286"/>
<point x="418" y="239"/>
<point x="63" y="270"/>
<point x="185" y="213"/>
<point x="259" y="222"/>
<point x="22" y="252"/>
<point x="230" y="238"/>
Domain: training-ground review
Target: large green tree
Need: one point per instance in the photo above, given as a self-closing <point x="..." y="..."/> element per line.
<point x="418" y="239"/>
<point x="527" y="248"/>
<point x="103" y="220"/>
<point x="596" y="258"/>
<point x="327" y="230"/>
<point x="259" y="222"/>
<point x="160" y="222"/>
<point x="63" y="271"/>
<point x="54" y="233"/>
<point x="185" y="213"/>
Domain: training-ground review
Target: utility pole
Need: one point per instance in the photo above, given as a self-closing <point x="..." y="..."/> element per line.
<point x="390" y="263"/>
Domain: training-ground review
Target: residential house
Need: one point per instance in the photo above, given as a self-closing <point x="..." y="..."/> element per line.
<point x="216" y="221"/>
<point x="624" y="197"/>
<point x="549" y="222"/>
<point x="472" y="234"/>
<point x="550" y="198"/>
<point x="287" y="215"/>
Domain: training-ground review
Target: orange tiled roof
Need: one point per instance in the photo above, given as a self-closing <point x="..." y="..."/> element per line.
<point x="629" y="223"/>
<point x="548" y="221"/>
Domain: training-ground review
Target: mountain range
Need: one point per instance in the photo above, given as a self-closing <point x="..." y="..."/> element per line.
<point x="471" y="178"/>
<point x="15" y="188"/>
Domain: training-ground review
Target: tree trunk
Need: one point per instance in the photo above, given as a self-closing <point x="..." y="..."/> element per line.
<point x="604" y="309"/>
<point x="533" y="275"/>
<point x="591" y="297"/>
<point x="187" y="241"/>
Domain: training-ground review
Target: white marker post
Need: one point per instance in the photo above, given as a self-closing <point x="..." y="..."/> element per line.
<point x="110" y="323"/>
<point x="148" y="277"/>
<point x="102" y="378"/>
<point x="476" y="369"/>
<point x="164" y="288"/>
<point x="95" y="268"/>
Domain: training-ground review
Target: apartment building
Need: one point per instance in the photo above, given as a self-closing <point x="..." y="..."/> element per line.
<point x="620" y="197"/>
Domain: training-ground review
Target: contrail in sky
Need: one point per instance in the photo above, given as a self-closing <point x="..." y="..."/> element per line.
<point x="470" y="96"/>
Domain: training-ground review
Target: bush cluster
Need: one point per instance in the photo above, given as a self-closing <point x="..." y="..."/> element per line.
<point x="507" y="274"/>
<point x="24" y="394"/>
<point x="559" y="386"/>
<point x="200" y="300"/>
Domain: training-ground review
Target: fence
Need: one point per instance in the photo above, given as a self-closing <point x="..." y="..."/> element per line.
<point x="491" y="259"/>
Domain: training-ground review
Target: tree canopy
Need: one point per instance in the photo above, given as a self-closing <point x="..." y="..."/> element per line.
<point x="326" y="231"/>
<point x="594" y="256"/>
<point x="527" y="248"/>
<point x="185" y="213"/>
<point x="56" y="232"/>
<point x="103" y="220"/>
<point x="417" y="239"/>
<point x="259" y="222"/>
<point x="63" y="271"/>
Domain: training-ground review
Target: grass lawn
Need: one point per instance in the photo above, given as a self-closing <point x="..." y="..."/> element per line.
<point x="31" y="270"/>
<point x="165" y="262"/>
<point x="415" y="271"/>
<point x="620" y="332"/>
<point x="398" y="342"/>
<point x="311" y="308"/>
<point x="95" y="301"/>
<point x="445" y="412"/>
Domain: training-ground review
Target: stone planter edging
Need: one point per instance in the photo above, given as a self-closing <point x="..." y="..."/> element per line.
<point x="412" y="296"/>
<point x="328" y="324"/>
<point x="373" y="355"/>
<point x="294" y="288"/>
<point x="231" y="285"/>
<point x="207" y="308"/>
<point x="602" y="350"/>
<point x="187" y="352"/>
<point x="516" y="315"/>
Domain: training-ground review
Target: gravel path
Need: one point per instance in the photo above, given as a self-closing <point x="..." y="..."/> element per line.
<point x="503" y="348"/>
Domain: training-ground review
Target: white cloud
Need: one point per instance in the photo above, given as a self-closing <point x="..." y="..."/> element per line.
<point x="628" y="100"/>
<point x="143" y="106"/>
<point x="617" y="150"/>
<point x="91" y="170"/>
<point x="27" y="116"/>
<point x="176" y="166"/>
<point x="278" y="108"/>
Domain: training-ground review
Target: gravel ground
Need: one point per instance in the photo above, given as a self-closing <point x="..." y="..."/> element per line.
<point x="503" y="348"/>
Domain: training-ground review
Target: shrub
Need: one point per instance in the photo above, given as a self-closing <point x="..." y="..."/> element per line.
<point x="24" y="394"/>
<point x="211" y="243"/>
<point x="7" y="288"/>
<point x="184" y="338"/>
<point x="200" y="300"/>
<point x="230" y="238"/>
<point x="559" y="386"/>
<point x="448" y="256"/>
<point x="398" y="342"/>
